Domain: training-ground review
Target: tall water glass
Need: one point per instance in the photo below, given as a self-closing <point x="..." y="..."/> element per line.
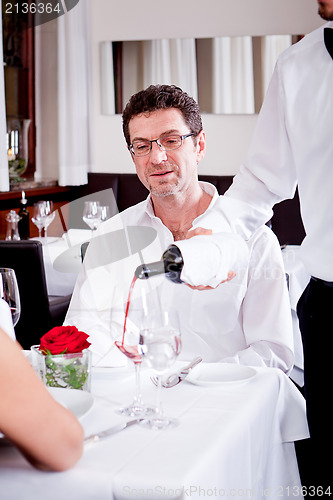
<point x="160" y="345"/>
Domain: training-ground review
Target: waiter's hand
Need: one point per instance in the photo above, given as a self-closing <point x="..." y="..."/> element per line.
<point x="199" y="231"/>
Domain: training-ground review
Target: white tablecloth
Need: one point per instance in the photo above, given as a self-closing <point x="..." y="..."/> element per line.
<point x="233" y="440"/>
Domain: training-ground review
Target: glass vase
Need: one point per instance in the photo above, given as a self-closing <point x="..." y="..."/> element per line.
<point x="67" y="371"/>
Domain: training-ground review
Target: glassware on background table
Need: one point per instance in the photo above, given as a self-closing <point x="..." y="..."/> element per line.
<point x="160" y="345"/>
<point x="128" y="344"/>
<point x="105" y="213"/>
<point x="43" y="215"/>
<point x="49" y="215"/>
<point x="9" y="292"/>
<point x="38" y="218"/>
<point x="92" y="214"/>
<point x="12" y="232"/>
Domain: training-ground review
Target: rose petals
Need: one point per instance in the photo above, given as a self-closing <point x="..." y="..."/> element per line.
<point x="64" y="339"/>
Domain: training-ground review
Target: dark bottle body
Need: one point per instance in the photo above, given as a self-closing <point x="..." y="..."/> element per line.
<point x="23" y="223"/>
<point x="171" y="265"/>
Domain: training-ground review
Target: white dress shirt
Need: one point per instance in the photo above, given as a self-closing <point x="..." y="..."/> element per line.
<point x="246" y="320"/>
<point x="293" y="144"/>
<point x="6" y="322"/>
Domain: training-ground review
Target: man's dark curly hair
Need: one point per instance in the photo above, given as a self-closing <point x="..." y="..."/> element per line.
<point x="162" y="97"/>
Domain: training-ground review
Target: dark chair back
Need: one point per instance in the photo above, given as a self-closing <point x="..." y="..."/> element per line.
<point x="26" y="258"/>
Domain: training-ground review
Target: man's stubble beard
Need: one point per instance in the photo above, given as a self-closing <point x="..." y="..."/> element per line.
<point x="163" y="190"/>
<point x="327" y="16"/>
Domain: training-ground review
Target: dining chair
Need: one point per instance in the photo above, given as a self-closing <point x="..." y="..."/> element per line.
<point x="39" y="311"/>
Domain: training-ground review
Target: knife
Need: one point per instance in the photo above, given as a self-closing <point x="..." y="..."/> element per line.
<point x="113" y="430"/>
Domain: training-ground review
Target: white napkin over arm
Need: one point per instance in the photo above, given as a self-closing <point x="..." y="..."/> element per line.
<point x="209" y="258"/>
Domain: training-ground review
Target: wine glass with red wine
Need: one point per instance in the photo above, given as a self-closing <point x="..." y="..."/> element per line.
<point x="9" y="292"/>
<point x="128" y="345"/>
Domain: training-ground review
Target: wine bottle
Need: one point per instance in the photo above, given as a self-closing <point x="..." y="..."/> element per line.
<point x="171" y="265"/>
<point x="205" y="260"/>
<point x="23" y="223"/>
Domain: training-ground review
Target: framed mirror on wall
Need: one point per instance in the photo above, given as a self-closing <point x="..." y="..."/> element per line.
<point x="226" y="75"/>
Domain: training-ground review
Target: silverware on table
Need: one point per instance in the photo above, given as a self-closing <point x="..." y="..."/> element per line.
<point x="113" y="430"/>
<point x="177" y="377"/>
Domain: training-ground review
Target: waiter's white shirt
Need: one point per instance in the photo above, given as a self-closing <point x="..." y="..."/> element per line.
<point x="293" y="144"/>
<point x="246" y="320"/>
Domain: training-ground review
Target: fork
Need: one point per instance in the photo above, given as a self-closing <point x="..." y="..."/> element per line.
<point x="177" y="377"/>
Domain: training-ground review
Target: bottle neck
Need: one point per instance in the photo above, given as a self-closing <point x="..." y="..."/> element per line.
<point x="171" y="265"/>
<point x="146" y="271"/>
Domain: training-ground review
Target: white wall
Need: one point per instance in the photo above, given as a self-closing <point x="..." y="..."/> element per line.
<point x="145" y="19"/>
<point x="228" y="136"/>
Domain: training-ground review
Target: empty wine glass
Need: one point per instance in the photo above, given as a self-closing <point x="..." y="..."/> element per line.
<point x="160" y="345"/>
<point x="49" y="215"/>
<point x="43" y="215"/>
<point x="9" y="292"/>
<point x="38" y="217"/>
<point x="92" y="214"/>
<point x="105" y="213"/>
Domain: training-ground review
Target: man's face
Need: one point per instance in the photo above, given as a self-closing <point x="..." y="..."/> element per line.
<point x="325" y="9"/>
<point x="166" y="173"/>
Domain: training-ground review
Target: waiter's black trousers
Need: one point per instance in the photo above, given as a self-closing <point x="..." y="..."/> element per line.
<point x="315" y="313"/>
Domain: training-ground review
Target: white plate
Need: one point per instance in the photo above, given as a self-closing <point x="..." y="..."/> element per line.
<point x="78" y="402"/>
<point x="112" y="372"/>
<point x="219" y="373"/>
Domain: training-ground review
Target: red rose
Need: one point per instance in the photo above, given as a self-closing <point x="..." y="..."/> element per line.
<point x="63" y="339"/>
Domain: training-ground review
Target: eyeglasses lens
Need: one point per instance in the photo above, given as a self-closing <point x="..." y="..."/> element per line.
<point x="167" y="143"/>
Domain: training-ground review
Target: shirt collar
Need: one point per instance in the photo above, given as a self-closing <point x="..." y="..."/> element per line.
<point x="205" y="186"/>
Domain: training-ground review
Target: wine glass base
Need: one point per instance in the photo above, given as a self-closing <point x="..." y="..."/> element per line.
<point x="156" y="423"/>
<point x="136" y="411"/>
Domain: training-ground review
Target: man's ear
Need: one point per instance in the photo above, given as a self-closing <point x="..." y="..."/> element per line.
<point x="201" y="146"/>
<point x="132" y="155"/>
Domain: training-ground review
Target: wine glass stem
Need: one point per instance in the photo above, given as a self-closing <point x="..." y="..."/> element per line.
<point x="138" y="396"/>
<point x="159" y="407"/>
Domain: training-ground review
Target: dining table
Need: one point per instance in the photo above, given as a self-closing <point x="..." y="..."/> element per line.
<point x="234" y="438"/>
<point x="62" y="260"/>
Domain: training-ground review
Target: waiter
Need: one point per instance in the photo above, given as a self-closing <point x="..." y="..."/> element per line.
<point x="293" y="145"/>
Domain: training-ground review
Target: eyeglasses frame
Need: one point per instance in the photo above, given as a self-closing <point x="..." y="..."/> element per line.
<point x="182" y="137"/>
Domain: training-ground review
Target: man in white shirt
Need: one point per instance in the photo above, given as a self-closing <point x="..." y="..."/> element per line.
<point x="246" y="320"/>
<point x="292" y="145"/>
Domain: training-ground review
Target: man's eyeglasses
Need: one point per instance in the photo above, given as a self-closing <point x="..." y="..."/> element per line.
<point x="165" y="143"/>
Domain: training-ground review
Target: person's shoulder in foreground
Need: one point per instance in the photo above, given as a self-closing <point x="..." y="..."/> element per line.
<point x="47" y="434"/>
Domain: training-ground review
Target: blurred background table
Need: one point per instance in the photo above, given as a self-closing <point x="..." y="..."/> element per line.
<point x="62" y="260"/>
